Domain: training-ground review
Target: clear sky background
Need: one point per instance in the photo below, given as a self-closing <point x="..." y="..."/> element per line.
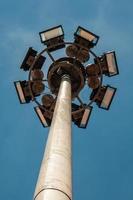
<point x="103" y="153"/>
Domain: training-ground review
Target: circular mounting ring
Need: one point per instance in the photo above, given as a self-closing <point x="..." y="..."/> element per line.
<point x="73" y="63"/>
<point x="63" y="66"/>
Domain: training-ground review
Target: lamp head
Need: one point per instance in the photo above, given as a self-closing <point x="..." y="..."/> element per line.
<point x="53" y="37"/>
<point x="85" y="37"/>
<point x="30" y="58"/>
<point x="104" y="97"/>
<point x="23" y="91"/>
<point x="80" y="116"/>
<point x="108" y="63"/>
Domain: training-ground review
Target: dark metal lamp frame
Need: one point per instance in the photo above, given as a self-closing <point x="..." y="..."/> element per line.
<point x="48" y="51"/>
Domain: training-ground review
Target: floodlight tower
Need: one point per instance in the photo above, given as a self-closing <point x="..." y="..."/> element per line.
<point x="66" y="77"/>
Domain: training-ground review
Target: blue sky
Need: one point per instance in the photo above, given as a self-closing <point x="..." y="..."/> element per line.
<point x="103" y="153"/>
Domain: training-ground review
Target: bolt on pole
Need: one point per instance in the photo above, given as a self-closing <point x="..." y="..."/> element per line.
<point x="55" y="181"/>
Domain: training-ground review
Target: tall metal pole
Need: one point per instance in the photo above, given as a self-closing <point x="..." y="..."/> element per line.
<point x="54" y="181"/>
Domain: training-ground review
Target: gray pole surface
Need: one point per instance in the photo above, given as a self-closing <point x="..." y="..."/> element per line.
<point x="54" y="181"/>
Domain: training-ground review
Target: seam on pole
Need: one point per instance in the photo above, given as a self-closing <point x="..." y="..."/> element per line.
<point x="51" y="189"/>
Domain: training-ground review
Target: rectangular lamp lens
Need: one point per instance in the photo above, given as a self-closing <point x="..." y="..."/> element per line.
<point x="85" y="117"/>
<point x="108" y="97"/>
<point x="87" y="35"/>
<point x="111" y="63"/>
<point x="41" y="117"/>
<point x="84" y="34"/>
<point x="57" y="32"/>
<point x="20" y="92"/>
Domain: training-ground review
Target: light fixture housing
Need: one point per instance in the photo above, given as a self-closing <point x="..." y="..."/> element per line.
<point x="47" y="100"/>
<point x="86" y="116"/>
<point x="85" y="37"/>
<point x="37" y="74"/>
<point x="80" y="116"/>
<point x="37" y="87"/>
<point x="108" y="63"/>
<point x="46" y="122"/>
<point x="81" y="54"/>
<point x="105" y="96"/>
<point x="30" y="58"/>
<point x="93" y="82"/>
<point x="53" y="37"/>
<point x="92" y="70"/>
<point x="23" y="91"/>
<point x="39" y="62"/>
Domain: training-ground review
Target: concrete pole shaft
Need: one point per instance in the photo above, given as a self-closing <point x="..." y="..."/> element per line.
<point x="54" y="181"/>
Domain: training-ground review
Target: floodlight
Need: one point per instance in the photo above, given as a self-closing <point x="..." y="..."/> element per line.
<point x="109" y="63"/>
<point x="37" y="74"/>
<point x="37" y="87"/>
<point x="93" y="82"/>
<point x="105" y="96"/>
<point x="80" y="116"/>
<point x="92" y="70"/>
<point x="44" y="120"/>
<point x="47" y="100"/>
<point x="30" y="58"/>
<point x="85" y="38"/>
<point x="53" y="37"/>
<point x="83" y="55"/>
<point x="72" y="50"/>
<point x="23" y="91"/>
